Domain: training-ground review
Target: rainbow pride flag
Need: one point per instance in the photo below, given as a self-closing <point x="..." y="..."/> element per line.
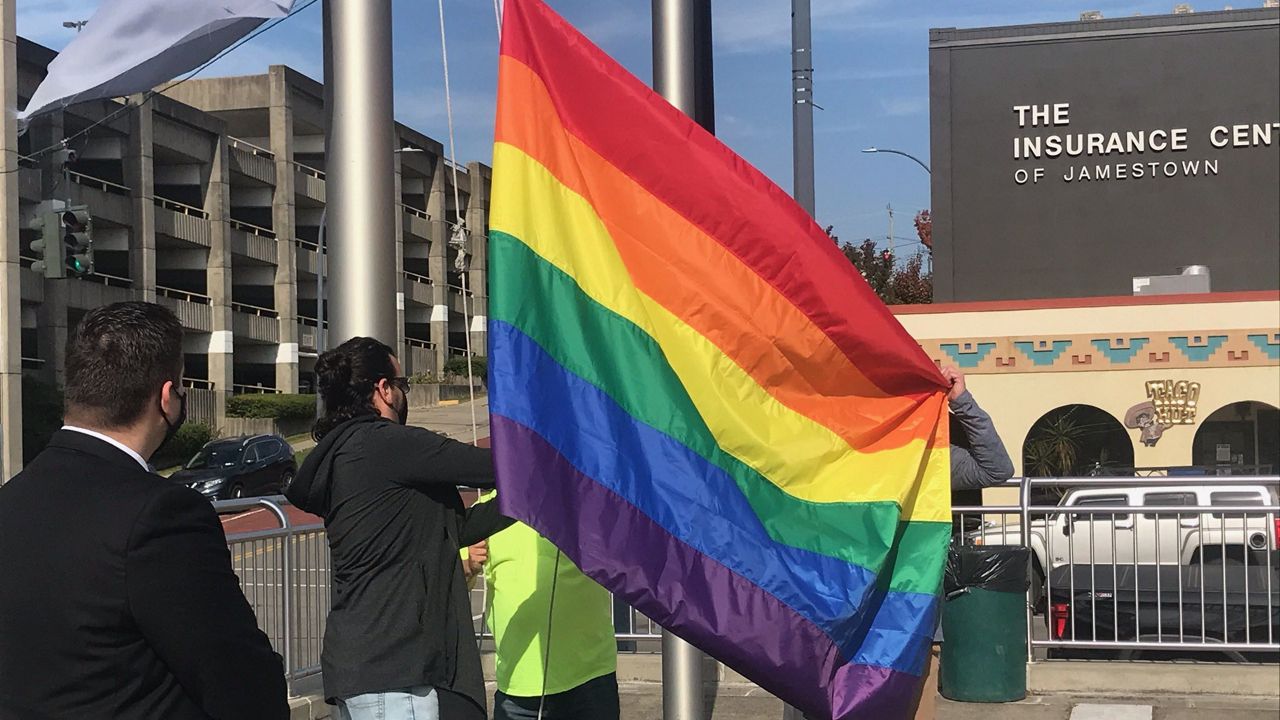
<point x="696" y="396"/>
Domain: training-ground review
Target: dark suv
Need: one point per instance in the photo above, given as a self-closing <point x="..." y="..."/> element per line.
<point x="240" y="467"/>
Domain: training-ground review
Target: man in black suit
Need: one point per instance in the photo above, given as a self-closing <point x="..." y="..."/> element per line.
<point x="117" y="597"/>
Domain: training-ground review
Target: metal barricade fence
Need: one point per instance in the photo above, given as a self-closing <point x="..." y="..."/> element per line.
<point x="284" y="573"/>
<point x="1121" y="566"/>
<point x="633" y="631"/>
<point x="1151" y="567"/>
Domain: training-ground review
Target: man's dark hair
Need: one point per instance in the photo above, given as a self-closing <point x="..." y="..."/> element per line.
<point x="346" y="377"/>
<point x="118" y="359"/>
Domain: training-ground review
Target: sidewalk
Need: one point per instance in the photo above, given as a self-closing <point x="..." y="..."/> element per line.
<point x="643" y="701"/>
<point x="454" y="420"/>
<point x="451" y="420"/>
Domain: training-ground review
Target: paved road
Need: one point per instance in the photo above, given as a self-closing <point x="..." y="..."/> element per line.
<point x="454" y="420"/>
<point x="451" y="420"/>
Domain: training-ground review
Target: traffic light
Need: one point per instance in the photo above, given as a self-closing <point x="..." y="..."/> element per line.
<point x="77" y="236"/>
<point x="65" y="246"/>
<point x="51" y="253"/>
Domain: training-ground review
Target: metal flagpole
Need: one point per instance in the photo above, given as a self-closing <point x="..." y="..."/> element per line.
<point x="802" y="104"/>
<point x="359" y="151"/>
<point x="682" y="74"/>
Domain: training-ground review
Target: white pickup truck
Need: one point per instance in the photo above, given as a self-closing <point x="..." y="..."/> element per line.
<point x="1138" y="538"/>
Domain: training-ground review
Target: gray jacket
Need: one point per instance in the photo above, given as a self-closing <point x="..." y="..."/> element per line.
<point x="978" y="457"/>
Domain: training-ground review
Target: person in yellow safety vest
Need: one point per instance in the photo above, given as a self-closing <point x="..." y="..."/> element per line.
<point x="553" y="632"/>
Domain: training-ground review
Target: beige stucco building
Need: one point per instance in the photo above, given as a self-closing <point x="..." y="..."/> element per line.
<point x="1209" y="364"/>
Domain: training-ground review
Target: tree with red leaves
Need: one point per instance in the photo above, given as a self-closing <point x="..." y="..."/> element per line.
<point x="906" y="284"/>
<point x="924" y="228"/>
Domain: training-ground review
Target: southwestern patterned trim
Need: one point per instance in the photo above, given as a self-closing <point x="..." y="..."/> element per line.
<point x="1137" y="351"/>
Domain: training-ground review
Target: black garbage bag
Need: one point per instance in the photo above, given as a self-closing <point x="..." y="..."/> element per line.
<point x="998" y="568"/>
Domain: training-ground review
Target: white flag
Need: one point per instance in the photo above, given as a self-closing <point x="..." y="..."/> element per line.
<point x="131" y="46"/>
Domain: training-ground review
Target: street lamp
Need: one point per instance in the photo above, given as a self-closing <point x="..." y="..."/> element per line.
<point x="899" y="152"/>
<point x="78" y="25"/>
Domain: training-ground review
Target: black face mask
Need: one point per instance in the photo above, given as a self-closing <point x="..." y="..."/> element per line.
<point x="171" y="428"/>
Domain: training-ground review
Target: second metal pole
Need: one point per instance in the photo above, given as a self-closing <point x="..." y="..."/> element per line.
<point x="360" y="171"/>
<point x="802" y="104"/>
<point x="682" y="74"/>
<point x="801" y="139"/>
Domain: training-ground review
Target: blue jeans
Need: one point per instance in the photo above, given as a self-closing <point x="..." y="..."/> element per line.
<point x="420" y="703"/>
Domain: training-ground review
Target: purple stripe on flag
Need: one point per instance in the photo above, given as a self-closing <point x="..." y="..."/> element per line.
<point x="685" y="591"/>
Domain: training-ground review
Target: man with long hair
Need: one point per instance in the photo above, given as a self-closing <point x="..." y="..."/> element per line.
<point x="399" y="641"/>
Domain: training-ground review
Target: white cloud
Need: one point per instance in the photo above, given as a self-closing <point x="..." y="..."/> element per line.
<point x="871" y="74"/>
<point x="903" y="106"/>
<point x="425" y="107"/>
<point x="755" y="25"/>
<point x="619" y="23"/>
<point x="255" y="57"/>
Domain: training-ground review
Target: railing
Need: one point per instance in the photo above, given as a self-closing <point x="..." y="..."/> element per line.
<point x="197" y="383"/>
<point x="418" y="278"/>
<point x="202" y="402"/>
<point x="250" y="148"/>
<point x="31" y="363"/>
<point x="181" y="208"/>
<point x="254" y="310"/>
<point x="253" y="390"/>
<point x="285" y="571"/>
<point x="306" y="244"/>
<point x="99" y="278"/>
<point x="285" y="574"/>
<point x="633" y="631"/>
<point x="252" y="229"/>
<point x="177" y="294"/>
<point x="103" y="185"/>
<point x="312" y="322"/>
<point x="1162" y="567"/>
<point x="462" y="169"/>
<point x="415" y="342"/>
<point x="416" y="211"/>
<point x="308" y="170"/>
<point x="1198" y="470"/>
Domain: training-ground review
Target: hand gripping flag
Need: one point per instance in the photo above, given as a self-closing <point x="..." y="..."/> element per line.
<point x="697" y="397"/>
<point x="130" y="46"/>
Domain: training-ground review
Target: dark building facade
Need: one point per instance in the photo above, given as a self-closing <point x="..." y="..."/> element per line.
<point x="1071" y="158"/>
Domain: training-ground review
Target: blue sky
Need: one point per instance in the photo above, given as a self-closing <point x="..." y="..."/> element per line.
<point x="871" y="76"/>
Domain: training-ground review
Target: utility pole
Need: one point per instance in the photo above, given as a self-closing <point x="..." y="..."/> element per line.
<point x="802" y="105"/>
<point x="889" y="207"/>
<point x="10" y="274"/>
<point x="682" y="73"/>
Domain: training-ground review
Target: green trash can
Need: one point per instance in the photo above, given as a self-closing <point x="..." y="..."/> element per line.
<point x="984" y="625"/>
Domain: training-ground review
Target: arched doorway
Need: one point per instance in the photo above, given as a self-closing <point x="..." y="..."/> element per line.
<point x="1075" y="440"/>
<point x="1242" y="438"/>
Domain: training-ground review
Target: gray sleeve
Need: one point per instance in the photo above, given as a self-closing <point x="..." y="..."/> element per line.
<point x="985" y="462"/>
